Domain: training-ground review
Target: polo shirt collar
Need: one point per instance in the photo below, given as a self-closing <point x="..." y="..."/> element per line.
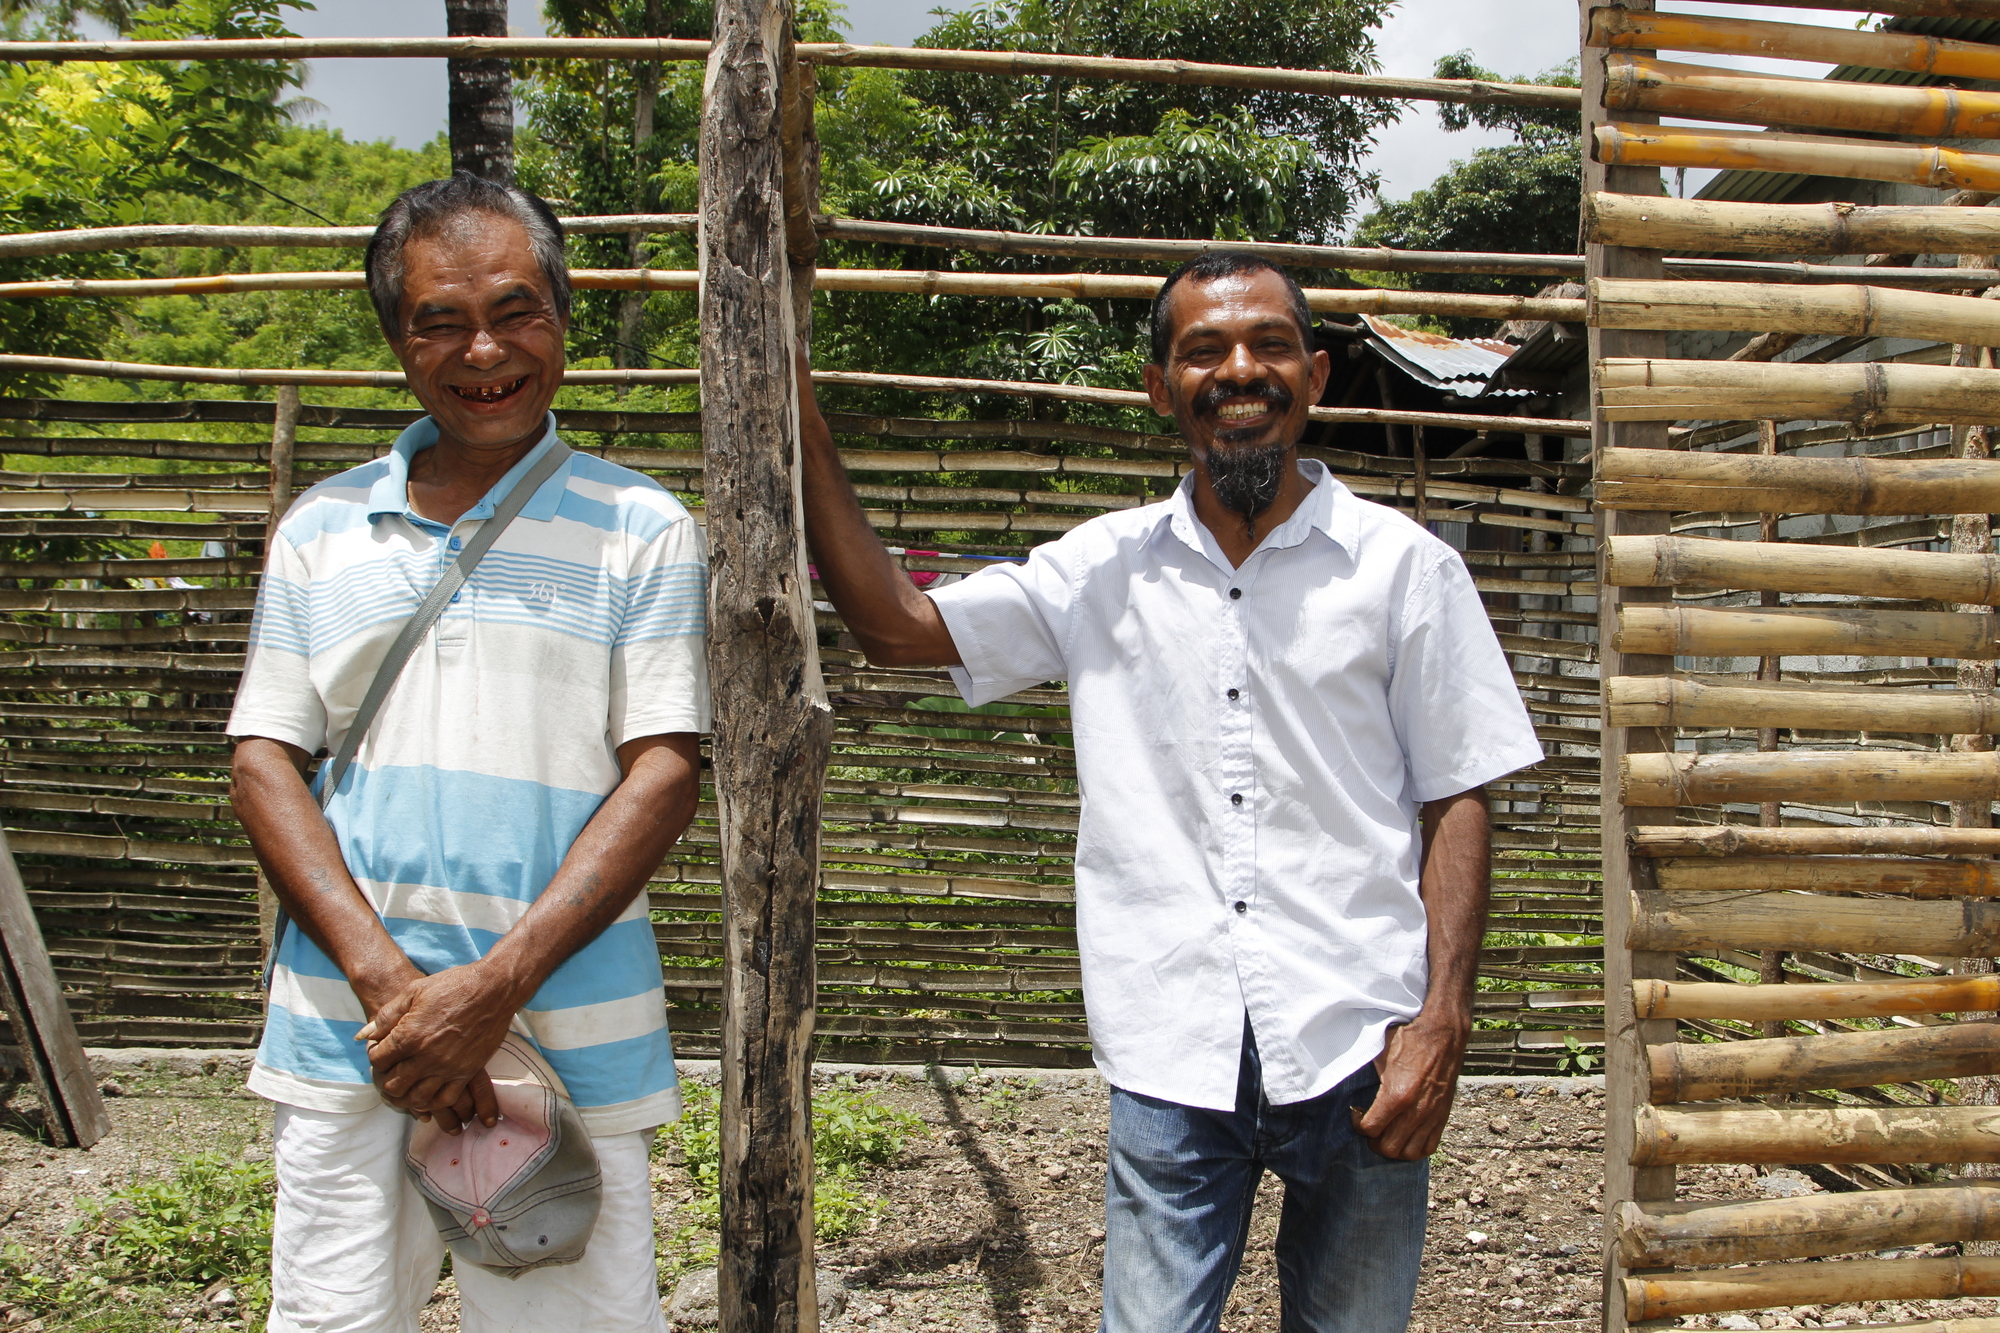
<point x="1329" y="508"/>
<point x="391" y="492"/>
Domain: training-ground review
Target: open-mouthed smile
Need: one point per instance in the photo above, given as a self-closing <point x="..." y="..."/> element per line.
<point x="1242" y="410"/>
<point x="488" y="393"/>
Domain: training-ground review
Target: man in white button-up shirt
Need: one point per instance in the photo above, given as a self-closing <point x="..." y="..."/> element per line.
<point x="1286" y="703"/>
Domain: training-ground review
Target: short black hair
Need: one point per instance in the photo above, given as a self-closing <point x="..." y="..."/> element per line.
<point x="1222" y="264"/>
<point x="427" y="209"/>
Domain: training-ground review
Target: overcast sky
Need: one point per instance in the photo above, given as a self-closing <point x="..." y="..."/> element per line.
<point x="405" y="99"/>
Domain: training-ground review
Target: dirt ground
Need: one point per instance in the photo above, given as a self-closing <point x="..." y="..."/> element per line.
<point x="991" y="1221"/>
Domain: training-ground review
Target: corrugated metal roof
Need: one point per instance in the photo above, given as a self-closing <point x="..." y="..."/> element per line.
<point x="1456" y="364"/>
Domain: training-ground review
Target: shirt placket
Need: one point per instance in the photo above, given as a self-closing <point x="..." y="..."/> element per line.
<point x="1238" y="817"/>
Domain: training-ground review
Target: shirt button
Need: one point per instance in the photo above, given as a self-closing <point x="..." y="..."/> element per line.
<point x="1234" y="693"/>
<point x="1235" y="593"/>
<point x="1236" y="798"/>
<point x="1241" y="907"/>
<point x="455" y="543"/>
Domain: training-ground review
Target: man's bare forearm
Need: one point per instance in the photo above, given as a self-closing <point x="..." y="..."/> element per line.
<point x="607" y="866"/>
<point x="895" y="624"/>
<point x="430" y="1044"/>
<point x="1456" y="855"/>
<point x="302" y="862"/>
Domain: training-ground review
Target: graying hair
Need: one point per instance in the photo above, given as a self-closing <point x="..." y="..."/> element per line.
<point x="428" y="209"/>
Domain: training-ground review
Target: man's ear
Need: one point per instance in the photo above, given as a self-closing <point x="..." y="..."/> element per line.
<point x="1322" y="371"/>
<point x="1156" y="390"/>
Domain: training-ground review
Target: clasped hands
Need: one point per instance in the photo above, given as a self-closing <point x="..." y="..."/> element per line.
<point x="429" y="1038"/>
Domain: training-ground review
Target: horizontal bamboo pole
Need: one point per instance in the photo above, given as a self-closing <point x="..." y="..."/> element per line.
<point x="1624" y="303"/>
<point x="1951" y="9"/>
<point x="1015" y="63"/>
<point x="393" y="379"/>
<point x="1665" y="701"/>
<point x="83" y="240"/>
<point x="1626" y="145"/>
<point x="1658" y="562"/>
<point x="1692" y="631"/>
<point x="1807" y="1227"/>
<point x="1686" y="778"/>
<point x="1353" y="258"/>
<point x="1841" y="1134"/>
<point x="1773" y="1285"/>
<point x="1675" y="479"/>
<point x="1791" y="229"/>
<point x="1712" y="1071"/>
<point x="1912" y="877"/>
<point x="1971" y="994"/>
<point x="1941" y="57"/>
<point x="1866" y="393"/>
<point x="1673" y="922"/>
<point x="1666" y="88"/>
<point x="1739" y="840"/>
<point x="915" y="282"/>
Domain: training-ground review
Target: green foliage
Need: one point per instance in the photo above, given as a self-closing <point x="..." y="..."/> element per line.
<point x="1520" y="197"/>
<point x="101" y="144"/>
<point x="852" y="1131"/>
<point x="208" y="1222"/>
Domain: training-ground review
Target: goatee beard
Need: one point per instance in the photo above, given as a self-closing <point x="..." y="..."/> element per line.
<point x="1246" y="480"/>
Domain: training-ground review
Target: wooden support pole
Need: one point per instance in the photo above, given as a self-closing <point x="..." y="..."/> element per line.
<point x="1658" y="562"/>
<point x="1685" y="920"/>
<point x="1694" y="631"/>
<point x="1851" y="310"/>
<point x="1833" y="1134"/>
<point x="1626" y="1034"/>
<point x="1868" y="999"/>
<point x="284" y="441"/>
<point x="72" y="1109"/>
<point x="773" y="728"/>
<point x="1713" y="1071"/>
<point x="1808" y="1227"/>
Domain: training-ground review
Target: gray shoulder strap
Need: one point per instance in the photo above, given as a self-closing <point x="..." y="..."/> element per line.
<point x="427" y="614"/>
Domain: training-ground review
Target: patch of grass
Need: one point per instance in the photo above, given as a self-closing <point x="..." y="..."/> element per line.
<point x="143" y="1248"/>
<point x="853" y="1133"/>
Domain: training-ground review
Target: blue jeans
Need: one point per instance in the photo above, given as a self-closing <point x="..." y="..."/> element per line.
<point x="1178" y="1193"/>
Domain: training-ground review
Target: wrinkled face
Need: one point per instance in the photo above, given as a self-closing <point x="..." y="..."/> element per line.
<point x="478" y="332"/>
<point x="1240" y="374"/>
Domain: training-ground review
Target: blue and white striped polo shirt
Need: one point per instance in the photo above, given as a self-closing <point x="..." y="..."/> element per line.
<point x="582" y="628"/>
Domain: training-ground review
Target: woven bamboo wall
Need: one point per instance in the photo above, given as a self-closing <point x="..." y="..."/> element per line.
<point x="946" y="918"/>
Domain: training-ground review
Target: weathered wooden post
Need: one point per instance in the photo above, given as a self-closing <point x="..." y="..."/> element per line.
<point x="773" y="729"/>
<point x="1626" y="1034"/>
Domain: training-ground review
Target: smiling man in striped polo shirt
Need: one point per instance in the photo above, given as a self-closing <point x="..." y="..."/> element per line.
<point x="483" y="863"/>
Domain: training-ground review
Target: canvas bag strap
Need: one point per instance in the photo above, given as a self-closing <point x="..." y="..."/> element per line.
<point x="418" y="625"/>
<point x="412" y="633"/>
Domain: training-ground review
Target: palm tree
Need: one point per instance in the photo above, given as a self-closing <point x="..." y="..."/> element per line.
<point x="482" y="95"/>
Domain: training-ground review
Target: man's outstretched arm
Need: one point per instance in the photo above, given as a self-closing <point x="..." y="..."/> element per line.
<point x="1421" y="1061"/>
<point x="895" y="624"/>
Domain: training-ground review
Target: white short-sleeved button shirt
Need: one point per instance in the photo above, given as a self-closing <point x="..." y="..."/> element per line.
<point x="1252" y="746"/>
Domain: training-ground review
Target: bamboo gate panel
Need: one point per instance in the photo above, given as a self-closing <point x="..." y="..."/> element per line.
<point x="946" y="924"/>
<point x="1799" y="888"/>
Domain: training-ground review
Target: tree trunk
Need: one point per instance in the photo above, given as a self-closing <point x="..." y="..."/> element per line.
<point x="482" y="95"/>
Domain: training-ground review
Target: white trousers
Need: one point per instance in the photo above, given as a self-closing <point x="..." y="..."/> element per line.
<point x="354" y="1249"/>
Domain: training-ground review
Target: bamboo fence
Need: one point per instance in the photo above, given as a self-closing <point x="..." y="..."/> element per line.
<point x="1800" y="900"/>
